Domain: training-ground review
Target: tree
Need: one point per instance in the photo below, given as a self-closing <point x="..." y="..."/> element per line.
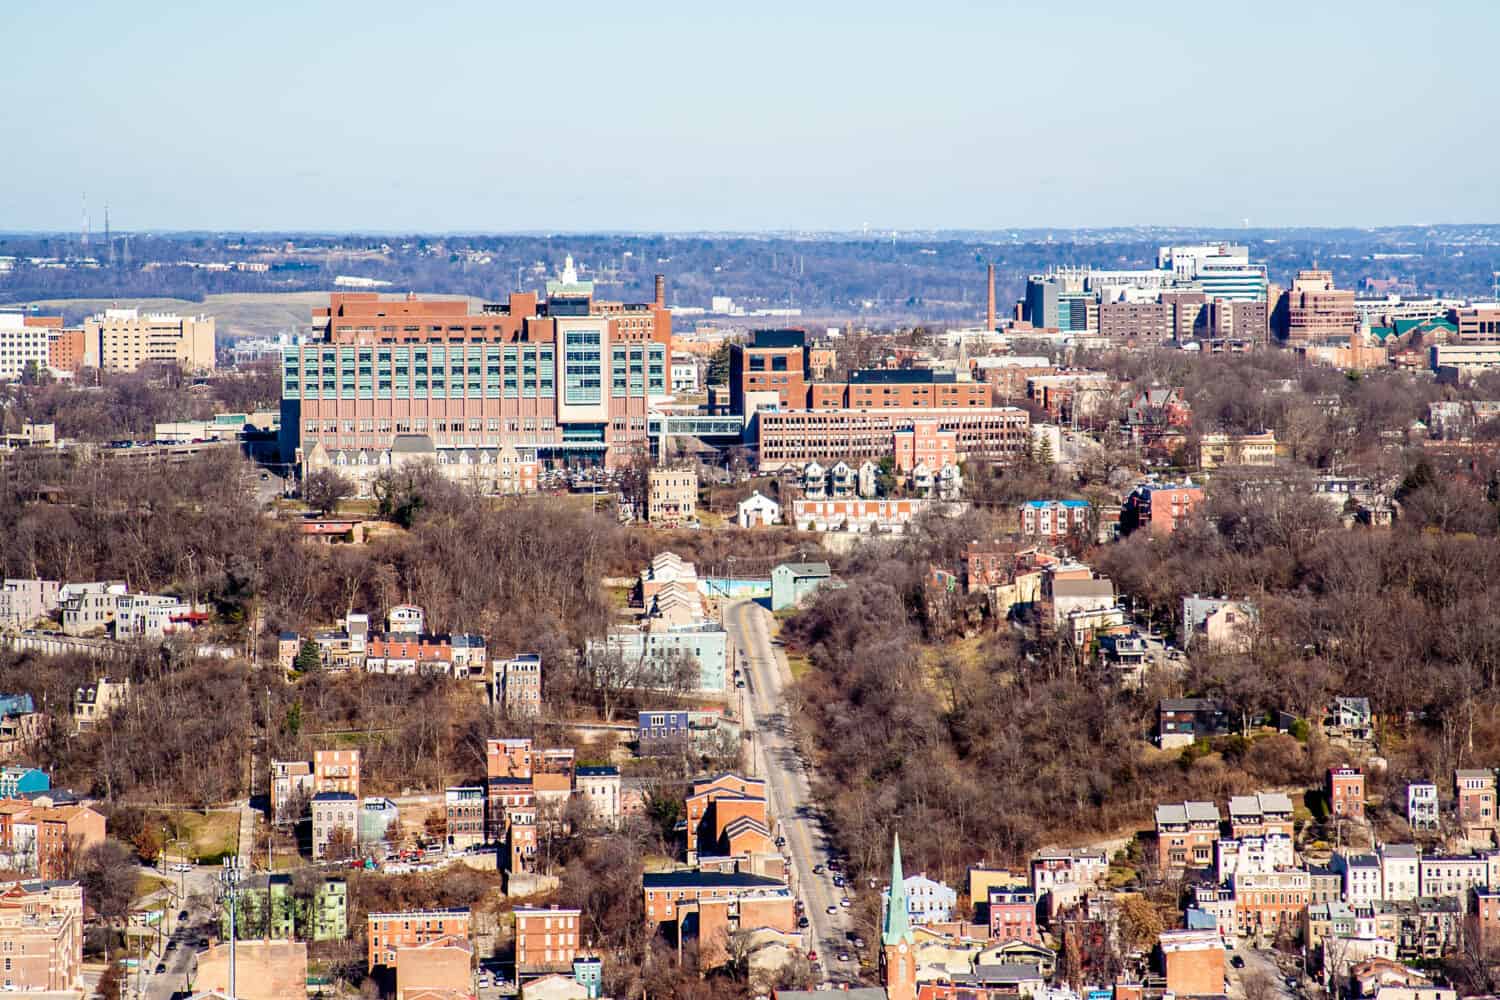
<point x="108" y="875"/>
<point x="111" y="982"/>
<point x="309" y="660"/>
<point x="340" y="845"/>
<point x="323" y="490"/>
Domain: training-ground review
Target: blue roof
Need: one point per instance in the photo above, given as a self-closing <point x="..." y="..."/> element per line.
<point x="1050" y="503"/>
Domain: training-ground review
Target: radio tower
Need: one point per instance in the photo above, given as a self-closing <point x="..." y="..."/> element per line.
<point x="85" y="223"/>
<point x="109" y="242"/>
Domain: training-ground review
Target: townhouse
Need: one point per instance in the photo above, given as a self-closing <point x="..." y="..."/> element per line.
<point x="1185" y="835"/>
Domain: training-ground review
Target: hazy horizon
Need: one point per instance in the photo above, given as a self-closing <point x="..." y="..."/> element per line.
<point x="480" y="119"/>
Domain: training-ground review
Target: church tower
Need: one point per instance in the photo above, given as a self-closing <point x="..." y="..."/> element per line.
<point x="898" y="957"/>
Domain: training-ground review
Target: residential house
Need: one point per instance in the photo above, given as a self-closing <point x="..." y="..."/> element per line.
<point x="46" y="839"/>
<point x="1350" y="720"/>
<point x="1220" y="449"/>
<point x="1185" y="835"/>
<point x="1063" y="876"/>
<point x="1013" y="915"/>
<point x="757" y="510"/>
<point x="92" y="704"/>
<point x="291" y="782"/>
<point x="1256" y="854"/>
<point x="1400" y="872"/>
<point x="1261" y="815"/>
<point x="1346" y="793"/>
<point x="1217" y="623"/>
<point x="599" y="786"/>
<point x="1362" y="877"/>
<point x="330" y="916"/>
<point x="1422" y="805"/>
<point x="1474" y="793"/>
<point x="1454" y="875"/>
<point x="685" y="730"/>
<point x="22" y="602"/>
<point x="1181" y="722"/>
<point x="21" y="725"/>
<point x="547" y="939"/>
<point x="336" y="771"/>
<point x="792" y="583"/>
<point x="928" y="901"/>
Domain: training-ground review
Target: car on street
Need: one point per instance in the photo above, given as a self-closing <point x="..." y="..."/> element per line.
<point x="845" y="902"/>
<point x="843" y="956"/>
<point x="812" y="956"/>
<point x="818" y="869"/>
<point x="1237" y="962"/>
<point x="161" y="967"/>
<point x="859" y="943"/>
<point x="182" y="915"/>
<point x="802" y="922"/>
<point x="833" y="909"/>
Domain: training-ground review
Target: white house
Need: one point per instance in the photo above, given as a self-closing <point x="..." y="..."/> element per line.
<point x="928" y="901"/>
<point x="758" y="510"/>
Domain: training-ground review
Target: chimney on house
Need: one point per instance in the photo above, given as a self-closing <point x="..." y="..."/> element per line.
<point x="661" y="291"/>
<point x="989" y="301"/>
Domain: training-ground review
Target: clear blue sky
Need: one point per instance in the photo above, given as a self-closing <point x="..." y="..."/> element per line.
<point x="768" y="115"/>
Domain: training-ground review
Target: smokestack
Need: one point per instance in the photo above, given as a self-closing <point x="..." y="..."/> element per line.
<point x="989" y="302"/>
<point x="661" y="291"/>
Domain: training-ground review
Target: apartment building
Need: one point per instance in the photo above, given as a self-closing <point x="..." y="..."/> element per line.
<point x="290" y="779"/>
<point x="1185" y="835"/>
<point x="1193" y="961"/>
<point x="1268" y="903"/>
<point x="331" y="812"/>
<point x="520" y="685"/>
<point x="567" y="378"/>
<point x="1013" y="915"/>
<point x="1455" y="875"/>
<point x="924" y="443"/>
<point x="547" y="939"/>
<point x="1363" y="883"/>
<point x="1159" y="508"/>
<point x="1400" y="872"/>
<point x="716" y="803"/>
<point x="464" y="809"/>
<point x="65" y="349"/>
<point x="41" y="937"/>
<point x="336" y="771"/>
<point x="599" y="786"/>
<point x="671" y="895"/>
<point x="386" y="933"/>
<point x="899" y="389"/>
<point x="24" y="601"/>
<point x="1054" y="520"/>
<point x="125" y="340"/>
<point x="1144" y="322"/>
<point x="672" y="496"/>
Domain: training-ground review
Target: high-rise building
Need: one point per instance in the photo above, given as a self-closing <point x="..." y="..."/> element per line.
<point x="1316" y="311"/>
<point x="23" y="344"/>
<point x="125" y="340"/>
<point x="564" y="378"/>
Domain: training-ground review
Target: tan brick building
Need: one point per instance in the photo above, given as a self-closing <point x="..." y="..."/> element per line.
<point x="440" y="969"/>
<point x="672" y="495"/>
<point x="41" y="936"/>
<point x="264" y="970"/>
<point x="124" y="340"/>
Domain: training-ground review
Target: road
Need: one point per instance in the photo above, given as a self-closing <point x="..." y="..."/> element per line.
<point x="800" y="822"/>
<point x="1259" y="963"/>
<point x="181" y="956"/>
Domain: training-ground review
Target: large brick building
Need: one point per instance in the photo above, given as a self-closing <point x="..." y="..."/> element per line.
<point x="565" y="378"/>
<point x="546" y="939"/>
<point x="770" y="361"/>
<point x="386" y="933"/>
<point x="41" y="937"/>
<point x="999" y="432"/>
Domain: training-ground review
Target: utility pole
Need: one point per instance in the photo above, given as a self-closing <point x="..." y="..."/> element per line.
<point x="229" y="880"/>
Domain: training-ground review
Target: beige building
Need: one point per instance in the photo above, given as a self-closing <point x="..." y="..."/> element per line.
<point x="264" y="970"/>
<point x="1215" y="450"/>
<point x="41" y="936"/>
<point x="435" y="970"/>
<point x="123" y="340"/>
<point x="1317" y="311"/>
<point x="672" y="495"/>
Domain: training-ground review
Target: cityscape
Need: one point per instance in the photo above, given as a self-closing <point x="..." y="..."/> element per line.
<point x="972" y="503"/>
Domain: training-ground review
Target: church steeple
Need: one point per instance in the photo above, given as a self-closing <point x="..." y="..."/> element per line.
<point x="897" y="954"/>
<point x="897" y="926"/>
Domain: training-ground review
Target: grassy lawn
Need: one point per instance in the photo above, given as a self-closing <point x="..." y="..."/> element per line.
<point x="209" y="836"/>
<point x="798" y="664"/>
<point x="147" y="884"/>
<point x="619" y="597"/>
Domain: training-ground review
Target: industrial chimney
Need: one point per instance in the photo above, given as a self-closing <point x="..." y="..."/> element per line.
<point x="989" y="301"/>
<point x="661" y="291"/>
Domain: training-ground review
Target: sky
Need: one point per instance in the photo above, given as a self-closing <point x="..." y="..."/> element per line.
<point x="496" y="116"/>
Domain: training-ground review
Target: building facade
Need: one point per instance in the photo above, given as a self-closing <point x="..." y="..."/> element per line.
<point x="125" y="340"/>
